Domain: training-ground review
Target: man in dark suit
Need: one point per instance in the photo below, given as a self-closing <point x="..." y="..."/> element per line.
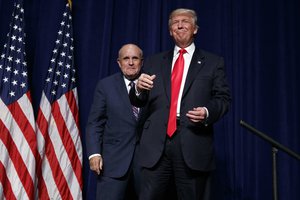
<point x="177" y="137"/>
<point x="111" y="136"/>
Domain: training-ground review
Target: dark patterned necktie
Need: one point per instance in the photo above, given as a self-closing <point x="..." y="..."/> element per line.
<point x="134" y="109"/>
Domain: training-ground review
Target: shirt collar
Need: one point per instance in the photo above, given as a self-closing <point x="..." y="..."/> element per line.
<point x="127" y="81"/>
<point x="190" y="49"/>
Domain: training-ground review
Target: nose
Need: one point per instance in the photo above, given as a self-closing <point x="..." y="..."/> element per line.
<point x="130" y="61"/>
<point x="179" y="25"/>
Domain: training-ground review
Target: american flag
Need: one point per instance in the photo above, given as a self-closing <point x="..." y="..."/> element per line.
<point x="18" y="150"/>
<point x="58" y="136"/>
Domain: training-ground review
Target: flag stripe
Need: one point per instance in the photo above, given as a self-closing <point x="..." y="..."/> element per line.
<point x="6" y="188"/>
<point x="68" y="153"/>
<point x="73" y="146"/>
<point x="26" y="126"/>
<point x="19" y="151"/>
<point x="17" y="160"/>
<point x="57" y="173"/>
<point x="42" y="127"/>
<point x="11" y="173"/>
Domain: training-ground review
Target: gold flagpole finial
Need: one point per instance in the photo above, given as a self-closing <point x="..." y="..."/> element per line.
<point x="70" y="4"/>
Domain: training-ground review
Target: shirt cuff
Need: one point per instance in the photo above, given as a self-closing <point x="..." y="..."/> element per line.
<point x="207" y="113"/>
<point x="94" y="155"/>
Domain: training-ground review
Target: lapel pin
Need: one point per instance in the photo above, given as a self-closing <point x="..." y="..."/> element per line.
<point x="199" y="62"/>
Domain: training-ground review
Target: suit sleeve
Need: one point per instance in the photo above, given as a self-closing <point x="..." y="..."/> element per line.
<point x="220" y="99"/>
<point x="138" y="100"/>
<point x="96" y="122"/>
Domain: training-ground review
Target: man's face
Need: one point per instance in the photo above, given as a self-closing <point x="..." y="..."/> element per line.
<point x="183" y="29"/>
<point x="130" y="61"/>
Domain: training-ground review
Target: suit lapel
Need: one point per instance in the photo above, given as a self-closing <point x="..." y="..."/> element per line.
<point x="166" y="72"/>
<point x="197" y="63"/>
<point x="122" y="90"/>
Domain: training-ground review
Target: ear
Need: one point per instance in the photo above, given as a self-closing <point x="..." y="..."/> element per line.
<point x="118" y="61"/>
<point x="170" y="33"/>
<point x="196" y="30"/>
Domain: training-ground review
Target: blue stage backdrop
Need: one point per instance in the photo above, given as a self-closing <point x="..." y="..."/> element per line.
<point x="259" y="40"/>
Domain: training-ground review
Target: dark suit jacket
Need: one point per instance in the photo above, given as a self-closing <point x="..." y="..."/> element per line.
<point x="111" y="127"/>
<point x="205" y="85"/>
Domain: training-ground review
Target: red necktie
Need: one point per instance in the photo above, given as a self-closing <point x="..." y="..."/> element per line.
<point x="175" y="87"/>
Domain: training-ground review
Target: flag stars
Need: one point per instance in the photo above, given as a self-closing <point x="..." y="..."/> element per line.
<point x="13" y="37"/>
<point x="24" y="73"/>
<point x="53" y="92"/>
<point x="12" y="48"/>
<point x="48" y="80"/>
<point x="57" y="41"/>
<point x="64" y="85"/>
<point x="60" y="64"/>
<point x="5" y="80"/>
<point x="59" y="32"/>
<point x="58" y="73"/>
<point x="50" y="70"/>
<point x="63" y="54"/>
<point x="55" y="82"/>
<point x="16" y="72"/>
<point x="14" y="82"/>
<point x="65" y="44"/>
<point x="55" y="51"/>
<point x="18" y="61"/>
<point x="62" y="23"/>
<point x="9" y="58"/>
<point x="8" y="68"/>
<point x="66" y="76"/>
<point x="23" y="85"/>
<point x="20" y="39"/>
<point x="12" y="93"/>
<point x="15" y="27"/>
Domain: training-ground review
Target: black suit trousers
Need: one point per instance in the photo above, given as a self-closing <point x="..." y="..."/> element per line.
<point x="190" y="184"/>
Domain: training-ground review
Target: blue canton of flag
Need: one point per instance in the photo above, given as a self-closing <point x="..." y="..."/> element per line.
<point x="13" y="69"/>
<point x="61" y="73"/>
